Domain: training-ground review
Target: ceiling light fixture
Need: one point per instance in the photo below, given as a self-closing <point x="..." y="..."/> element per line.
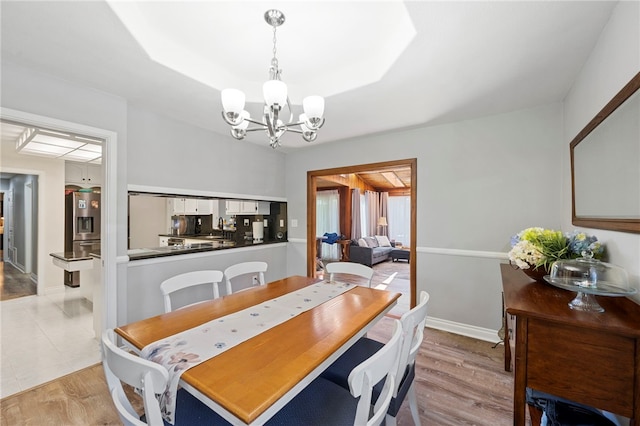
<point x="68" y="146"/>
<point x="393" y="179"/>
<point x="275" y="98"/>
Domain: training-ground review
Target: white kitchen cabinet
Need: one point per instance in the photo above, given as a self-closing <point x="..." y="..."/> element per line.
<point x="232" y="207"/>
<point x="205" y="207"/>
<point x="247" y="207"/>
<point x="83" y="174"/>
<point x="183" y="205"/>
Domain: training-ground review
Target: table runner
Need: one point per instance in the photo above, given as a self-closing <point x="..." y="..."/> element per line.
<point x="191" y="347"/>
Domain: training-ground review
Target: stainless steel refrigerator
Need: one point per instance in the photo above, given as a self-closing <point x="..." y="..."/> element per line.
<point x="82" y="228"/>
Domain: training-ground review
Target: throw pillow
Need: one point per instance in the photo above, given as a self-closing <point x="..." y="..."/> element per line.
<point x="362" y="243"/>
<point x="371" y="242"/>
<point x="383" y="241"/>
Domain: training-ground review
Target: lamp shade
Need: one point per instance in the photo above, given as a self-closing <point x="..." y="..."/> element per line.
<point x="232" y="100"/>
<point x="382" y="221"/>
<point x="274" y="92"/>
<point x="313" y="106"/>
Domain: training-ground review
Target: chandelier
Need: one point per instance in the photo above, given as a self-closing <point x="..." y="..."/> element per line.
<point x="275" y="99"/>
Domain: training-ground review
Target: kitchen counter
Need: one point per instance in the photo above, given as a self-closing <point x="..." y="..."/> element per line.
<point x="155" y="252"/>
<point x="71" y="261"/>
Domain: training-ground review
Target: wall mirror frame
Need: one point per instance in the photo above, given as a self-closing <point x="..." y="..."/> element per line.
<point x="596" y="219"/>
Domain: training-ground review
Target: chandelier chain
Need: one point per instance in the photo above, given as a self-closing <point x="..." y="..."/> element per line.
<point x="274" y="61"/>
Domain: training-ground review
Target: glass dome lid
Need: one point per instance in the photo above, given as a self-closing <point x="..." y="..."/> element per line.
<point x="589" y="276"/>
<point x="590" y="273"/>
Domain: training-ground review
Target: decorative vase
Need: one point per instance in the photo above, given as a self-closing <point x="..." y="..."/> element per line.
<point x="537" y="273"/>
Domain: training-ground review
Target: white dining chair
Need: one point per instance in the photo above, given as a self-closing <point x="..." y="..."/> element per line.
<point x="324" y="402"/>
<point x="244" y="268"/>
<point x="413" y="323"/>
<point x="189" y="279"/>
<point x="150" y="379"/>
<point x="350" y="268"/>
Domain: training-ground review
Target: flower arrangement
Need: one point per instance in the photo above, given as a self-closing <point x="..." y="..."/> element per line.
<point x="539" y="248"/>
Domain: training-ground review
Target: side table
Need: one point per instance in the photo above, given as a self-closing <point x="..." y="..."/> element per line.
<point x="586" y="357"/>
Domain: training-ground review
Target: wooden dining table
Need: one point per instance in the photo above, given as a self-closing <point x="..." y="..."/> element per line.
<point x="250" y="382"/>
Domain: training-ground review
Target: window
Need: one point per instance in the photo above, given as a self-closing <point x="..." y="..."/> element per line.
<point x="364" y="228"/>
<point x="400" y="219"/>
<point x="328" y="221"/>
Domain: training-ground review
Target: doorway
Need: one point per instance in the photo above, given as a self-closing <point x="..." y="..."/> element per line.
<point x="104" y="312"/>
<point x="316" y="177"/>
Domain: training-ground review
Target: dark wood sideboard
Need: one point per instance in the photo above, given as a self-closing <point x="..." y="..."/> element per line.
<point x="590" y="358"/>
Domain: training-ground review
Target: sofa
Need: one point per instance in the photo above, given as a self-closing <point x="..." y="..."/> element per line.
<point x="375" y="251"/>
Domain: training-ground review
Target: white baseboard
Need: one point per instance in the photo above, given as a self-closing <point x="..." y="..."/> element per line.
<point x="479" y="333"/>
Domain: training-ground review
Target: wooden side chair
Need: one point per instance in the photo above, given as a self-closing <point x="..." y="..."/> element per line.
<point x="351" y="269"/>
<point x="413" y="323"/>
<point x="244" y="268"/>
<point x="151" y="379"/>
<point x="324" y="402"/>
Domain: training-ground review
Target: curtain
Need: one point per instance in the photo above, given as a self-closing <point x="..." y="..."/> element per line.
<point x="356" y="223"/>
<point x="384" y="212"/>
<point x="399" y="219"/>
<point x="328" y="221"/>
<point x="373" y="207"/>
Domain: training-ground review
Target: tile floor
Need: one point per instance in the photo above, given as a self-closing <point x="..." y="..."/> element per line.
<point x="43" y="338"/>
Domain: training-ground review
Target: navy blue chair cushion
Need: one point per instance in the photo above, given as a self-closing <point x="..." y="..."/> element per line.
<point x="339" y="371"/>
<point x="190" y="411"/>
<point x="321" y="403"/>
<point x="562" y="412"/>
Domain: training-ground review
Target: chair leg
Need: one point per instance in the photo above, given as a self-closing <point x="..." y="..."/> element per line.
<point x="389" y="420"/>
<point x="413" y="404"/>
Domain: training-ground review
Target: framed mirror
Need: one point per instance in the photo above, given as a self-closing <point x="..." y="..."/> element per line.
<point x="605" y="165"/>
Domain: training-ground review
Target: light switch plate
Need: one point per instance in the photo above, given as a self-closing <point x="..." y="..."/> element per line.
<point x="294" y="223"/>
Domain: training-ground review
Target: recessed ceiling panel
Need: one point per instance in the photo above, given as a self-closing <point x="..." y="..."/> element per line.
<point x="228" y="44"/>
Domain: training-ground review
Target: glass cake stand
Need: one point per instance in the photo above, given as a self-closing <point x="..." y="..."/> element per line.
<point x="585" y="300"/>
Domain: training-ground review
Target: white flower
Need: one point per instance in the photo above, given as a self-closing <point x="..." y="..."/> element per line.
<point x="525" y="255"/>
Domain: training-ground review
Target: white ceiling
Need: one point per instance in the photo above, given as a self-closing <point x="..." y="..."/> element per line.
<point x="466" y="60"/>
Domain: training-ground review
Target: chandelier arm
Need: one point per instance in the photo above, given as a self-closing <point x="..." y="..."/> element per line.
<point x="269" y="123"/>
<point x="290" y="111"/>
<point x="255" y="129"/>
<point x="251" y="120"/>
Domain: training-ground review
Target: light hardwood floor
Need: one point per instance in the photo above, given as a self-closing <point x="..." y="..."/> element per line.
<point x="459" y="381"/>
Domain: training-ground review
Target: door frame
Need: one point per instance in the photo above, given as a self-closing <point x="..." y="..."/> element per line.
<point x="312" y="190"/>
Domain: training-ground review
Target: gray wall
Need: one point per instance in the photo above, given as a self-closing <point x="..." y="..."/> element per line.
<point x="613" y="62"/>
<point x="479" y="182"/>
<point x="170" y="154"/>
<point x="21" y="201"/>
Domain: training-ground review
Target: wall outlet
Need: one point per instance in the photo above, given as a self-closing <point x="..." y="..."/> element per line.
<point x="254" y="280"/>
